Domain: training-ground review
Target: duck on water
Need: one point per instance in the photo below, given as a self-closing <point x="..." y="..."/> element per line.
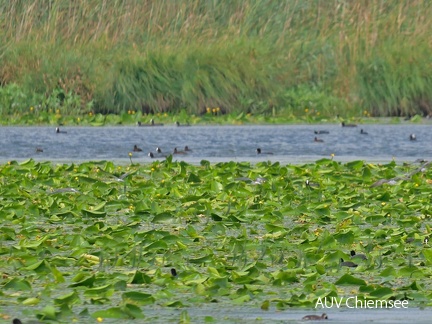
<point x="259" y="151"/>
<point x="348" y="125"/>
<point x="315" y="317"/>
<point x="136" y="148"/>
<point x="152" y="123"/>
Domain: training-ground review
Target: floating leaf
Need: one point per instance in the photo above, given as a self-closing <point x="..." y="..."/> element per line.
<point x="87" y="282"/>
<point x="176" y="304"/>
<point x="68" y="299"/>
<point x="47" y="313"/>
<point x="113" y="312"/>
<point x="427" y="253"/>
<point x="17" y="284"/>
<point x="31" y="301"/>
<point x="347" y="279"/>
<point x="163" y="218"/>
<point x="93" y="213"/>
<point x="140" y="278"/>
<point x="382" y="293"/>
<point x="204" y="259"/>
<point x="138" y="298"/>
<point x="193" y="178"/>
<point x="101" y="291"/>
<point x="39" y="267"/>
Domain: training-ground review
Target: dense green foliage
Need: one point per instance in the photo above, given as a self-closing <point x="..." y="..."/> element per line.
<point x="96" y="239"/>
<point x="258" y="56"/>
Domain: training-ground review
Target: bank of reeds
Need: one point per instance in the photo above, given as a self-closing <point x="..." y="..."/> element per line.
<point x="257" y="56"/>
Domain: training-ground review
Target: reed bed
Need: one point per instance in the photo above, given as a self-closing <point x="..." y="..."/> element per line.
<point x="259" y="57"/>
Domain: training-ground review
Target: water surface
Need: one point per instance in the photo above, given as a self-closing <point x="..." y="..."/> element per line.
<point x="288" y="143"/>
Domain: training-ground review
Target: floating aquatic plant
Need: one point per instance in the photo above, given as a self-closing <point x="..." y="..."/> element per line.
<point x="265" y="235"/>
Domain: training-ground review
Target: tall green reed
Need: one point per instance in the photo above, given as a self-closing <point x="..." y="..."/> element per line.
<point x="248" y="56"/>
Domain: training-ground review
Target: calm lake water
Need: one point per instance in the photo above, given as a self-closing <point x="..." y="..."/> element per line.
<point x="288" y="143"/>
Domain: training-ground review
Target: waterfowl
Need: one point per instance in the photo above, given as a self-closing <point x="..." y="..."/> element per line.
<point x="412" y="137"/>
<point x="173" y="272"/>
<point x="321" y="132"/>
<point x="363" y="132"/>
<point x="409" y="239"/>
<point x="318" y="140"/>
<point x="58" y="131"/>
<point x="315" y="317"/>
<point x="152" y="123"/>
<point x="420" y="161"/>
<point x="151" y="155"/>
<point x="120" y="178"/>
<point x="354" y="255"/>
<point x="246" y="179"/>
<point x="257" y="181"/>
<point x="180" y="125"/>
<point x="258" y="151"/>
<point x="178" y="152"/>
<point x="39" y="150"/>
<point x="136" y="148"/>
<point x="348" y="125"/>
<point x="187" y="149"/>
<point x="159" y="152"/>
<point x="347" y="264"/>
<point x="16" y="321"/>
<point x="311" y="184"/>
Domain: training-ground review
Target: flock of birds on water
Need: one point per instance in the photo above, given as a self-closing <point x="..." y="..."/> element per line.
<point x="186" y="150"/>
<point x="412" y="136"/>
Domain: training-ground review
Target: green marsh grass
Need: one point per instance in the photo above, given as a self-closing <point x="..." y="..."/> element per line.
<point x="274" y="58"/>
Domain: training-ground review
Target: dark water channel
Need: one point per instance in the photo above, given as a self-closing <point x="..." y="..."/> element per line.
<point x="288" y="143"/>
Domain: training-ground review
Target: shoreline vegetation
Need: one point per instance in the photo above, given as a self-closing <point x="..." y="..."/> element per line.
<point x="251" y="60"/>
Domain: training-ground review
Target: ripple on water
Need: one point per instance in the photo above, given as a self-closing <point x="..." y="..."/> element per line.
<point x="288" y="143"/>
